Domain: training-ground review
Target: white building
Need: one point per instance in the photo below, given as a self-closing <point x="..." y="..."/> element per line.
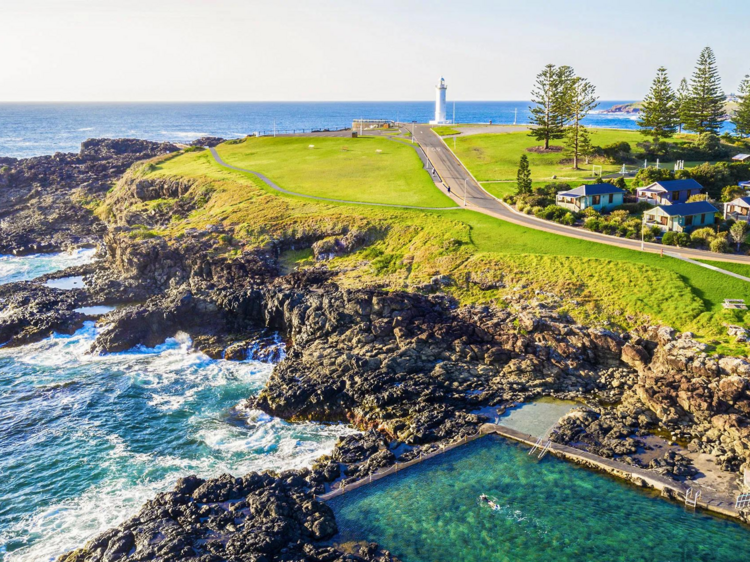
<point x="440" y="105"/>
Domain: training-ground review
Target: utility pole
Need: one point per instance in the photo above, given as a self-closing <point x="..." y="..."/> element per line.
<point x="274" y="127"/>
<point x="465" y="188"/>
<point x="643" y="226"/>
<point x="515" y="116"/>
<point x="412" y="132"/>
<point x="454" y="112"/>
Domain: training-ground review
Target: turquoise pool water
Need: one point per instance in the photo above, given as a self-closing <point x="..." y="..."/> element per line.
<point x="550" y="510"/>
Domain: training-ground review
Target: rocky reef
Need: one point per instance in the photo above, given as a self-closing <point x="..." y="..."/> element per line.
<point x="43" y="200"/>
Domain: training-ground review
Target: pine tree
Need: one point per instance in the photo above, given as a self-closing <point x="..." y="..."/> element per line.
<point x="659" y="117"/>
<point x="683" y="94"/>
<point x="741" y="117"/>
<point x="585" y="147"/>
<point x="524" y="176"/>
<point x="704" y="109"/>
<point x="580" y="99"/>
<point x="548" y="115"/>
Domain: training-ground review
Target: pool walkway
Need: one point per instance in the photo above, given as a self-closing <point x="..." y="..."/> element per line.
<point x="640" y="477"/>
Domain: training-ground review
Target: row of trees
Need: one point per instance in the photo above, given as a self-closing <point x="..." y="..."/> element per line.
<point x="561" y="101"/>
<point x="698" y="106"/>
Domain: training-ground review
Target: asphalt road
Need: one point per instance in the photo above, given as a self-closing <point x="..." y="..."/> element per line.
<point x="462" y="184"/>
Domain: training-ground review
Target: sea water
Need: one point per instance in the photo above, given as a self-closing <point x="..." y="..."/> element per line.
<point x="85" y="439"/>
<point x="547" y="510"/>
<point x="25" y="268"/>
<point x="32" y="129"/>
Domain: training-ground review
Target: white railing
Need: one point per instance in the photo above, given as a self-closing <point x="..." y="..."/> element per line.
<point x="691" y="497"/>
<point x="743" y="501"/>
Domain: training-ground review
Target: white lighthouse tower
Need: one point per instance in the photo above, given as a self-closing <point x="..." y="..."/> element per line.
<point x="440" y="91"/>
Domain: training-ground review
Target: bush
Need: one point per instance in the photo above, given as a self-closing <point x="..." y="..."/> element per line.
<point x="509" y="198"/>
<point x="669" y="239"/>
<point x="591" y="212"/>
<point x="709" y="144"/>
<point x="702" y="236"/>
<point x="682" y="239"/>
<point x="731" y="192"/>
<point x="619" y="182"/>
<point x="634" y="208"/>
<point x="647" y="176"/>
<point x="568" y="219"/>
<point x="719" y="245"/>
<point x="697" y="197"/>
<point x="593" y="223"/>
<point x="552" y="213"/>
<point x="619" y="216"/>
<point x="648" y="234"/>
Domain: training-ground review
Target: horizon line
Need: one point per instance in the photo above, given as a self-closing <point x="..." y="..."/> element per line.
<point x="276" y="101"/>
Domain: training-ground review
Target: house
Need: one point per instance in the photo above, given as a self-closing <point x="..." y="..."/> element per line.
<point x="681" y="217"/>
<point x="738" y="209"/>
<point x="669" y="192"/>
<point x="745" y="185"/>
<point x="600" y="196"/>
<point x="741" y="157"/>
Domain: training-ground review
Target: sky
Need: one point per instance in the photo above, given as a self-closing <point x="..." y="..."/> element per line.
<point x="357" y="50"/>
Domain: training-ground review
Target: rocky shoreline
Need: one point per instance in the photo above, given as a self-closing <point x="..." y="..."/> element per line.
<point x="409" y="369"/>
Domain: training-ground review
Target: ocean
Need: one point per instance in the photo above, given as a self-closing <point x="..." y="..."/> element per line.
<point x="34" y="129"/>
<point x="86" y="439"/>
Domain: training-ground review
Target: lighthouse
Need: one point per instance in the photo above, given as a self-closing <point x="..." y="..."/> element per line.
<point x="440" y="91"/>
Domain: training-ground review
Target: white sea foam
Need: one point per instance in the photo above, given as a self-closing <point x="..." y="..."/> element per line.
<point x="173" y="377"/>
<point x="25" y="268"/>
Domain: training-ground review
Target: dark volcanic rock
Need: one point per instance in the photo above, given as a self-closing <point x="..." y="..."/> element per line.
<point x="42" y="199"/>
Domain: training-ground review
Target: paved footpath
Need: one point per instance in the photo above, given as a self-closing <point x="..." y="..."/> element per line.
<point x="465" y="188"/>
<point x="270" y="183"/>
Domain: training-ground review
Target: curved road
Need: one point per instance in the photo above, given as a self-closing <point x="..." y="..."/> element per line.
<point x="270" y="183"/>
<point x="462" y="184"/>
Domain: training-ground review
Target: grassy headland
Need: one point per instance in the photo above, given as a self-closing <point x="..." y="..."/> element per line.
<point x="403" y="249"/>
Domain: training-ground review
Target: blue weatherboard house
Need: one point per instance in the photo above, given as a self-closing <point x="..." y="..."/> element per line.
<point x="600" y="196"/>
<point x="681" y="217"/>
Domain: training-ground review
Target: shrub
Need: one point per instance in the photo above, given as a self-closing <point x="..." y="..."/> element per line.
<point x="552" y="213"/>
<point x="702" y="236"/>
<point x="619" y="216"/>
<point x="591" y="212"/>
<point x="648" y="234"/>
<point x="634" y="208"/>
<point x="568" y="219"/>
<point x="682" y="239"/>
<point x="731" y="192"/>
<point x="622" y="230"/>
<point x="647" y="176"/>
<point x="509" y="198"/>
<point x="697" y="197"/>
<point x="709" y="144"/>
<point x="669" y="239"/>
<point x="619" y="182"/>
<point x="593" y="223"/>
<point x="719" y="245"/>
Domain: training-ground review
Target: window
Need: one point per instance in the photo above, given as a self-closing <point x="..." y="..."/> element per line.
<point x="688" y="221"/>
<point x="597" y="198"/>
<point x="675" y="196"/>
<point x="664" y="220"/>
<point x="688" y="194"/>
<point x="703" y="218"/>
<point x="611" y="198"/>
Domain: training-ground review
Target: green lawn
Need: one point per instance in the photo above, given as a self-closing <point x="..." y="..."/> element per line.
<point x="366" y="169"/>
<point x="495" y="156"/>
<point x="442" y="130"/>
<point x="599" y="283"/>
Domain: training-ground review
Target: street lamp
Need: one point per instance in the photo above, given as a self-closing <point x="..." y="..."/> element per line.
<point x="643" y="227"/>
<point x="465" y="188"/>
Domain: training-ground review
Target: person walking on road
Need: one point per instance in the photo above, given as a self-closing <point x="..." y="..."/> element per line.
<point x="449" y="189"/>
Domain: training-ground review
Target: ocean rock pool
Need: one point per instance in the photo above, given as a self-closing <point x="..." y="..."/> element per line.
<point x="549" y="510"/>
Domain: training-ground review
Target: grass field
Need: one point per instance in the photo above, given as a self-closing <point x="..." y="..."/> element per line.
<point x="367" y="169"/>
<point x="600" y="284"/>
<point x="443" y="130"/>
<point x="492" y="157"/>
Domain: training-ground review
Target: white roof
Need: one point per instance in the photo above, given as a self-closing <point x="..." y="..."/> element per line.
<point x="741" y="157"/>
